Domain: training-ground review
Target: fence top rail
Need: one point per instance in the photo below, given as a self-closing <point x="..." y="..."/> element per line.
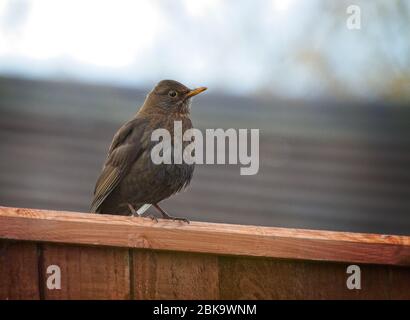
<point x="200" y="237"/>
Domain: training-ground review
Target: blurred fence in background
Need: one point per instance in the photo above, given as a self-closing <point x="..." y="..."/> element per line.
<point x="324" y="165"/>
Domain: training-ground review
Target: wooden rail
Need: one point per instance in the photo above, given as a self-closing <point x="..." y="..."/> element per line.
<point x="114" y="257"/>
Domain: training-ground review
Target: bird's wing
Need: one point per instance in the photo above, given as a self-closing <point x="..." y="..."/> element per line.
<point x="125" y="148"/>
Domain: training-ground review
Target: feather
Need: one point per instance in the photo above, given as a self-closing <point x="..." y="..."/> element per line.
<point x="125" y="149"/>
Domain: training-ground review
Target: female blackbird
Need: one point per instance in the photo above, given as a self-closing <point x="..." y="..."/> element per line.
<point x="130" y="182"/>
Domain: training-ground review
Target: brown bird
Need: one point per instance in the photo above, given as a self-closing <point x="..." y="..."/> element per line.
<point x="130" y="182"/>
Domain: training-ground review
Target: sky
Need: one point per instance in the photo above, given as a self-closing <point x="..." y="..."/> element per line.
<point x="284" y="47"/>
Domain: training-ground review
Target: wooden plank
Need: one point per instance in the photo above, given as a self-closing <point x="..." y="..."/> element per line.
<point x="400" y="283"/>
<point x="108" y="230"/>
<point x="18" y="271"/>
<point x="260" y="278"/>
<point x="175" y="275"/>
<point x="88" y="272"/>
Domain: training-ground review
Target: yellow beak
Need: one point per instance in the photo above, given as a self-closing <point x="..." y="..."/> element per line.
<point x="196" y="91"/>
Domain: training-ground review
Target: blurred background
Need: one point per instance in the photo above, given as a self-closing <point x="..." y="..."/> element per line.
<point x="332" y="104"/>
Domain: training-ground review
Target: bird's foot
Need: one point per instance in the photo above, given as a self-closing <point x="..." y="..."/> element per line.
<point x="151" y="216"/>
<point x="176" y="218"/>
<point x="169" y="217"/>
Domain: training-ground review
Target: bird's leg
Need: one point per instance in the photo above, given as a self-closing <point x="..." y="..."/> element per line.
<point x="167" y="216"/>
<point x="134" y="212"/>
<point x="149" y="215"/>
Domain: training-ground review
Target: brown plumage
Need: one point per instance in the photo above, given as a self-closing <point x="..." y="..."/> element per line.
<point x="129" y="179"/>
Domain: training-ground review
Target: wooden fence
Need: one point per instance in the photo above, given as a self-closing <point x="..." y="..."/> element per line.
<point x="112" y="257"/>
<point x="330" y="165"/>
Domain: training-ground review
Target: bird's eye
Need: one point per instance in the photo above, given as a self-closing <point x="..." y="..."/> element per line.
<point x="172" y="93"/>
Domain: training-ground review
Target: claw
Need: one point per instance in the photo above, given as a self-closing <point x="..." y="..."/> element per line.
<point x="169" y="217"/>
<point x="180" y="219"/>
<point x="149" y="215"/>
<point x="152" y="217"/>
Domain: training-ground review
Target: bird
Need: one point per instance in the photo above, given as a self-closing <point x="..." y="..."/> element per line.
<point x="130" y="182"/>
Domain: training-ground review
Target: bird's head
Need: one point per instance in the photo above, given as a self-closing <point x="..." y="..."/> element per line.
<point x="170" y="96"/>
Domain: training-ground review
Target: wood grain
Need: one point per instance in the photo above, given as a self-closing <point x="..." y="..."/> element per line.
<point x="108" y="230"/>
<point x="175" y="275"/>
<point x="18" y="271"/>
<point x="88" y="272"/>
<point x="256" y="278"/>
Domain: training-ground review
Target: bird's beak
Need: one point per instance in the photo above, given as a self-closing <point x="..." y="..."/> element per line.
<point x="194" y="92"/>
